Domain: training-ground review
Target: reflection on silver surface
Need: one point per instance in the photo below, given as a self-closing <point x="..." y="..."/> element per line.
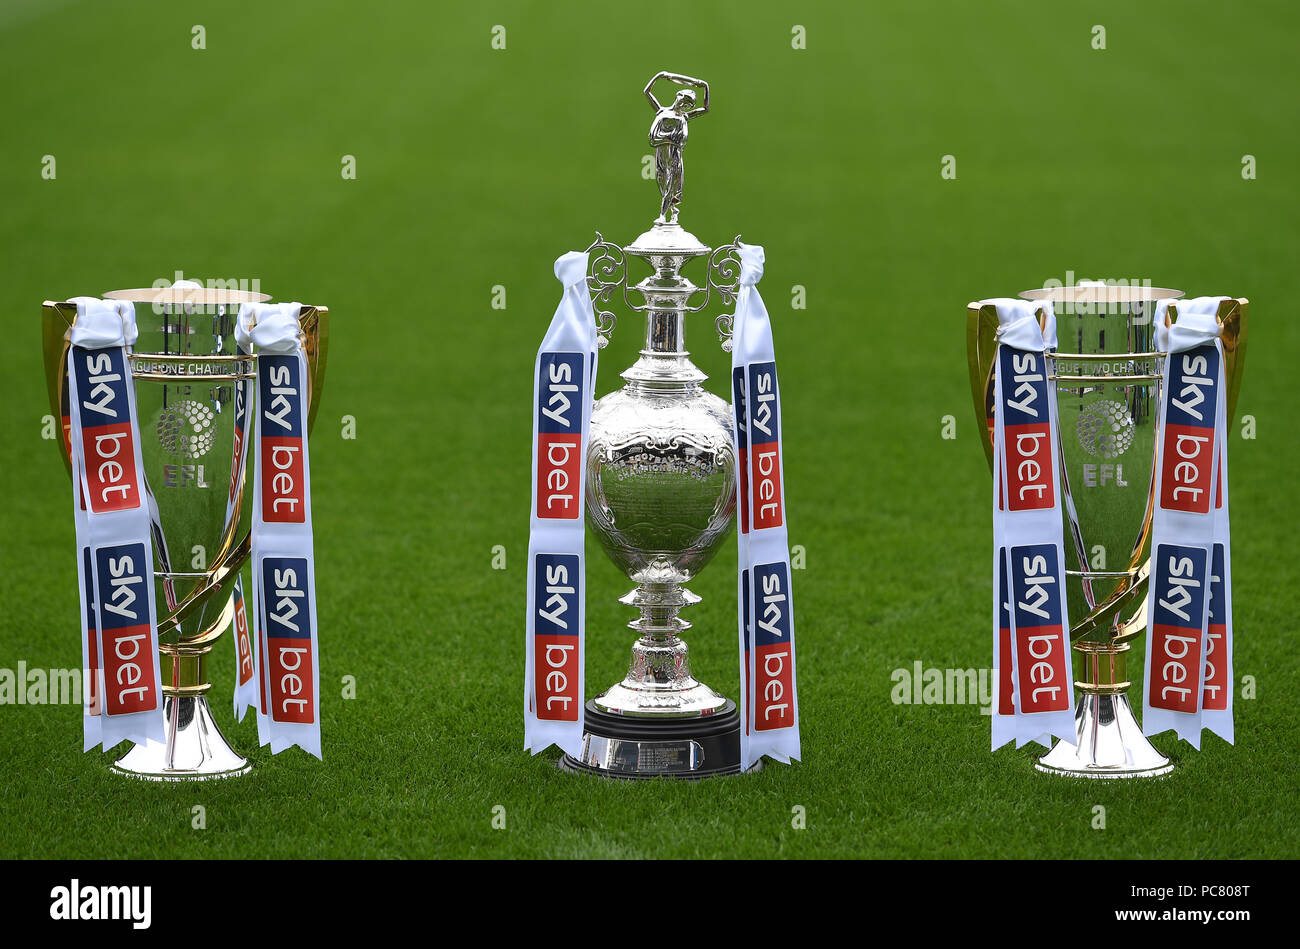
<point x="195" y="749"/>
<point x="1111" y="743"/>
<point x="641" y="757"/>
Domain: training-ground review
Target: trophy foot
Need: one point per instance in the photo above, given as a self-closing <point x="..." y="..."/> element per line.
<point x="701" y="746"/>
<point x="195" y="749"/>
<point x="1110" y="744"/>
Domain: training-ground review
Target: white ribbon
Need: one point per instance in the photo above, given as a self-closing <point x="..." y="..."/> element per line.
<point x="564" y="380"/>
<point x="1031" y="627"/>
<point x="768" y="688"/>
<point x="1188" y="682"/>
<point x="114" y="550"/>
<point x="283" y="561"/>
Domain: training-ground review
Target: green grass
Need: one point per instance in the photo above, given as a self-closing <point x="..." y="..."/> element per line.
<point x="477" y="168"/>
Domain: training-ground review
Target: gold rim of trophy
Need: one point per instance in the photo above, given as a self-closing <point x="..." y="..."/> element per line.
<point x="200" y="296"/>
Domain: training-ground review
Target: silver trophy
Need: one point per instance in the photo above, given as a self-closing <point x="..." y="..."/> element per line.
<point x="661" y="482"/>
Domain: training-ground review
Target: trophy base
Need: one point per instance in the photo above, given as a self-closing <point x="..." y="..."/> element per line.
<point x="700" y="746"/>
<point x="1110" y="744"/>
<point x="195" y="749"/>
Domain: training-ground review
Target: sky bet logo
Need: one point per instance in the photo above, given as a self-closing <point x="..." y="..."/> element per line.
<point x="128" y="659"/>
<point x="288" y="639"/>
<point x="1192" y="407"/>
<point x="1042" y="663"/>
<point x="1179" y="579"/>
<point x="107" y="443"/>
<point x="559" y="434"/>
<point x="284" y="493"/>
<point x="763" y="412"/>
<point x="556" y="578"/>
<point x="1027" y="429"/>
<point x="774" y="672"/>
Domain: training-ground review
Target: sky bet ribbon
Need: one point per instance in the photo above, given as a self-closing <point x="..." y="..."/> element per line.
<point x="564" y="382"/>
<point x="114" y="548"/>
<point x="1031" y="627"/>
<point x="768" y="696"/>
<point x="283" y="563"/>
<point x="1188" y="684"/>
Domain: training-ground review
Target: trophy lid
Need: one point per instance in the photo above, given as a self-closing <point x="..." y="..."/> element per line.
<point x="188" y="292"/>
<point x="1093" y="293"/>
<point x="667" y="240"/>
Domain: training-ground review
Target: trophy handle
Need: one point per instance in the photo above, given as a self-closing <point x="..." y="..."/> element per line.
<point x="56" y="320"/>
<point x="981" y="350"/>
<point x="606" y="271"/>
<point x="1233" y="318"/>
<point x="315" y="324"/>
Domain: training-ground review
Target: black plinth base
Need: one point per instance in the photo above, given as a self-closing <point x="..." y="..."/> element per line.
<point x="619" y="746"/>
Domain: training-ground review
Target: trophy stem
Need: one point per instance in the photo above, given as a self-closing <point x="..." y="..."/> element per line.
<point x="659" y="681"/>
<point x="195" y="749"/>
<point x="1108" y="740"/>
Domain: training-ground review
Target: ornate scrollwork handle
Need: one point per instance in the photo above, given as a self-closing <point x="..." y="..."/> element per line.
<point x="606" y="271"/>
<point x="725" y="325"/>
<point x="722" y="278"/>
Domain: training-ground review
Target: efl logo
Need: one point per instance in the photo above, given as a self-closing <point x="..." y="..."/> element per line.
<point x="130" y="675"/>
<point x="1042" y="660"/>
<point x="556" y="663"/>
<point x="742" y="446"/>
<point x="763" y="413"/>
<point x="1192" y="407"/>
<point x="1216" y="652"/>
<point x="107" y="442"/>
<point x="288" y="639"/>
<point x="559" y="435"/>
<point x="280" y="455"/>
<point x="774" y="656"/>
<point x="1179" y="576"/>
<point x="1027" y="430"/>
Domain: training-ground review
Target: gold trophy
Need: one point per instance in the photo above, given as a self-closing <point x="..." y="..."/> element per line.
<point x="1107" y="374"/>
<point x="193" y="388"/>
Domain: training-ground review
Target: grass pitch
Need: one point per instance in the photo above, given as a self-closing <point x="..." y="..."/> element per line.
<point x="475" y="168"/>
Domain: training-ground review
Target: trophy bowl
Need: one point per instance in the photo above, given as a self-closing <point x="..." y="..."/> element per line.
<point x="1107" y="374"/>
<point x="190" y="386"/>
